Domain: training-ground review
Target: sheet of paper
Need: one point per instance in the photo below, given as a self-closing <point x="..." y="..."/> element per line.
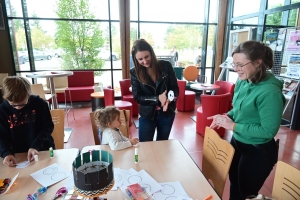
<point x="23" y="164"/>
<point x="50" y="175"/>
<point x="171" y="190"/>
<point x="144" y="179"/>
<point x="119" y="175"/>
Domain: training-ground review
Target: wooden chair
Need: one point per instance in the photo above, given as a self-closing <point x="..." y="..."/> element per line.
<point x="58" y="118"/>
<point x="124" y="116"/>
<point x="2" y="76"/>
<point x="61" y="86"/>
<point x="286" y="182"/>
<point x="216" y="161"/>
<point x="37" y="89"/>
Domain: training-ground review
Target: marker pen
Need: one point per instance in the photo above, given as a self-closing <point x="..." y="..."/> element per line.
<point x="51" y="152"/>
<point x="136" y="156"/>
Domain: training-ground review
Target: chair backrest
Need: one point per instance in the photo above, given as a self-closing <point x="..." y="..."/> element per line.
<point x="109" y="97"/>
<point x="190" y="73"/>
<point x="81" y="78"/>
<point x="124" y="116"/>
<point x="216" y="161"/>
<point x="226" y="87"/>
<point x="124" y="86"/>
<point x="2" y="76"/>
<point x="286" y="182"/>
<point x="180" y="99"/>
<point x="58" y="118"/>
<point x="215" y="104"/>
<point x="95" y="128"/>
<point x="59" y="82"/>
<point x="37" y="89"/>
<point x="178" y="72"/>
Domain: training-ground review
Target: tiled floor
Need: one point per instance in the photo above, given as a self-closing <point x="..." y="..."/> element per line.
<point x="184" y="130"/>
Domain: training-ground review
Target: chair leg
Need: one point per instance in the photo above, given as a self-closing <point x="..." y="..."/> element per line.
<point x="71" y="103"/>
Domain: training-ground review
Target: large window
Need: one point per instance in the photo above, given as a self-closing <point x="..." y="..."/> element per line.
<point x="66" y="35"/>
<point x="85" y="34"/>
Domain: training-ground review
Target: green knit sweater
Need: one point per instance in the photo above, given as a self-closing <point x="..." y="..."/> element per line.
<point x="257" y="110"/>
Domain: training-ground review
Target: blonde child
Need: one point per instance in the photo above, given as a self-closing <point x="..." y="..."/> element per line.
<point x="108" y="119"/>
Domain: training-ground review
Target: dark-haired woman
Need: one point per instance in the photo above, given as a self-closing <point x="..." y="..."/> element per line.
<point x="155" y="89"/>
<point x="254" y="119"/>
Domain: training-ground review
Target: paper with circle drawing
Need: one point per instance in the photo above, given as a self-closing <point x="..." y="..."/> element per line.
<point x="11" y="183"/>
<point x="171" y="190"/>
<point x="23" y="164"/>
<point x="171" y="95"/>
<point x="144" y="179"/>
<point x="50" y="175"/>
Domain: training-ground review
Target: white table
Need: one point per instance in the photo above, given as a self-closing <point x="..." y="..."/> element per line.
<point x="165" y="161"/>
<point x="204" y="87"/>
<point x="50" y="75"/>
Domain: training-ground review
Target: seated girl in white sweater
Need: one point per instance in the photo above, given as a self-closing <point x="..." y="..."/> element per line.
<point x="108" y="119"/>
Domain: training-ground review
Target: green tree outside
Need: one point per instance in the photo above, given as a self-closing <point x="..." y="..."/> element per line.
<point x="80" y="41"/>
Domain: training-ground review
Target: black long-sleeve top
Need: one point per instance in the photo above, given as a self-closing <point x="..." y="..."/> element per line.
<point x="29" y="127"/>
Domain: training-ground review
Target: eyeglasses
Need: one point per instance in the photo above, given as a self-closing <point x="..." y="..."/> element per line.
<point x="239" y="66"/>
<point x="18" y="105"/>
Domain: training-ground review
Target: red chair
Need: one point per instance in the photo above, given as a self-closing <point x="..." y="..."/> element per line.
<point x="211" y="105"/>
<point x="109" y="100"/>
<point x="186" y="99"/>
<point x="226" y="87"/>
<point x="127" y="95"/>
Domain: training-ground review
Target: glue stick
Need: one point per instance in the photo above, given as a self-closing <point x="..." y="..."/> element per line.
<point x="136" y="156"/>
<point x="51" y="152"/>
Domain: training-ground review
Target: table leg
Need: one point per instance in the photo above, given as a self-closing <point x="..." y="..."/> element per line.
<point x="52" y="90"/>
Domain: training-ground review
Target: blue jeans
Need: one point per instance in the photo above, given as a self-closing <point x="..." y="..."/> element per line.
<point x="160" y="122"/>
<point x="250" y="167"/>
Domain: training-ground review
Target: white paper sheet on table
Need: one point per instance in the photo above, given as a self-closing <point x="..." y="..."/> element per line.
<point x="50" y="175"/>
<point x="144" y="179"/>
<point x="119" y="175"/>
<point x="171" y="190"/>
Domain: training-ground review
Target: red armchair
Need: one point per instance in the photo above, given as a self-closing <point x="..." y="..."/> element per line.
<point x="211" y="105"/>
<point x="109" y="100"/>
<point x="186" y="99"/>
<point x="127" y="95"/>
<point x="226" y="87"/>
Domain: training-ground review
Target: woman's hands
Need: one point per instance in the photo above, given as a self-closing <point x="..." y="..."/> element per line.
<point x="221" y="121"/>
<point x="164" y="100"/>
<point x="31" y="153"/>
<point x="134" y="141"/>
<point x="10" y="161"/>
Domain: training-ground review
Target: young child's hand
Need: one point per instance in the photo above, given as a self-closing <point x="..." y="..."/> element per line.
<point x="134" y="141"/>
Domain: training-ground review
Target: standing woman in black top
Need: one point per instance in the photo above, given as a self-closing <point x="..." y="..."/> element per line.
<point x="155" y="88"/>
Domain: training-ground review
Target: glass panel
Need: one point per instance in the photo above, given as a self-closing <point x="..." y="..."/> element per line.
<point x="114" y="9"/>
<point x="275" y="3"/>
<point x="293" y="17"/>
<point x="274" y="19"/>
<point x="242" y="7"/>
<point x="295" y="1"/>
<point x="92" y="9"/>
<point x="186" y="38"/>
<point x="253" y="20"/>
<point x="134" y="10"/>
<point x="208" y="75"/>
<point x="105" y="79"/>
<point x="172" y="10"/>
<point x="213" y="11"/>
<point x="210" y="43"/>
<point x="13" y="8"/>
